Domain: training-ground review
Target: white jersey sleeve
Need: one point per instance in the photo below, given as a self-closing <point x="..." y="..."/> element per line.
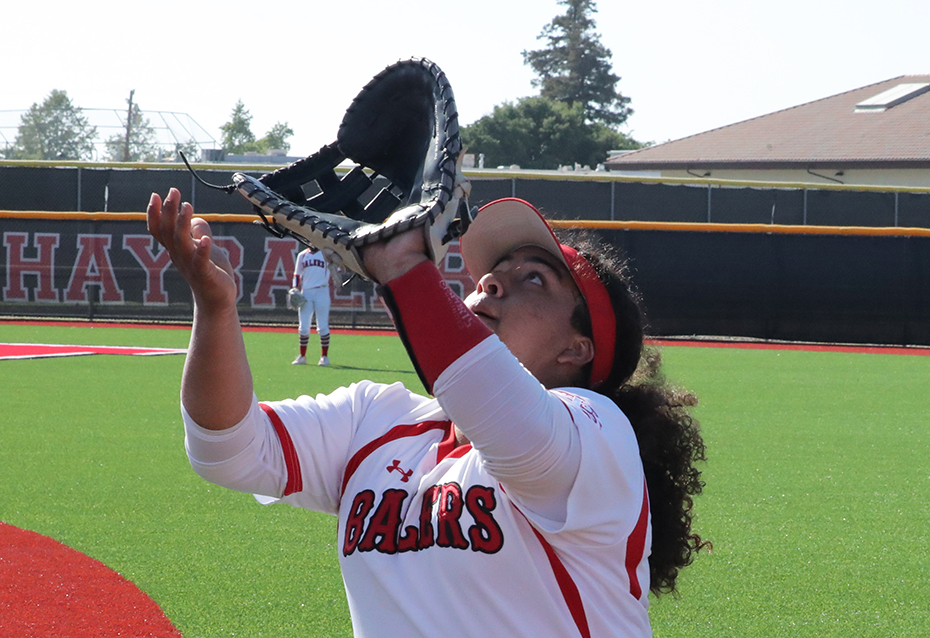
<point x="556" y="452"/>
<point x="303" y="466"/>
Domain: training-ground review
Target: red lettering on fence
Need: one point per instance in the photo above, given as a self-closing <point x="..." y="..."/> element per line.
<point x="140" y="247"/>
<point x="276" y="272"/>
<point x="93" y="267"/>
<point x="18" y="265"/>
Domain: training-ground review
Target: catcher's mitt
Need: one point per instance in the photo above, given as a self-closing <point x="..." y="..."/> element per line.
<point x="403" y="127"/>
<point x="295" y="299"/>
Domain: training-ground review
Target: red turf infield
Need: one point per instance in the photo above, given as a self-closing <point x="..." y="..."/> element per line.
<point x="48" y="589"/>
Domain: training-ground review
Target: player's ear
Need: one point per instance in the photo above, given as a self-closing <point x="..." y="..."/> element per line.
<point x="579" y="352"/>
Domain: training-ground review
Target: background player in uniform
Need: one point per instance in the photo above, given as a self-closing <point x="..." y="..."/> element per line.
<point x="543" y="490"/>
<point x="311" y="278"/>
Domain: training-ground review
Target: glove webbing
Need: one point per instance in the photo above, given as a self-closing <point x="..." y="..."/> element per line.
<point x="266" y="200"/>
<point x="337" y="230"/>
<point x="337" y="194"/>
<point x="288" y="179"/>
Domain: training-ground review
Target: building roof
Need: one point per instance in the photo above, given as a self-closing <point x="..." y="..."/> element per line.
<point x="883" y="125"/>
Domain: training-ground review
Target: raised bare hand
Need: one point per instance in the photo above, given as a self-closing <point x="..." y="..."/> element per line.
<point x="189" y="242"/>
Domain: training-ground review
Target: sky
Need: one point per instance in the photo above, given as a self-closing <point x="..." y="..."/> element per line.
<point x="688" y="67"/>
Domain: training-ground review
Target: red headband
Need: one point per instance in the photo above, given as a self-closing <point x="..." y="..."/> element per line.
<point x="507" y="224"/>
<point x="601" y="310"/>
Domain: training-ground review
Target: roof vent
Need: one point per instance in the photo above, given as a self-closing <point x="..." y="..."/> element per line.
<point x="892" y="97"/>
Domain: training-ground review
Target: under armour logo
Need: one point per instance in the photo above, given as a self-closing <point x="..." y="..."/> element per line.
<point x="404" y="476"/>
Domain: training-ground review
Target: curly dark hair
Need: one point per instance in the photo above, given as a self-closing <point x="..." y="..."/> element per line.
<point x="669" y="438"/>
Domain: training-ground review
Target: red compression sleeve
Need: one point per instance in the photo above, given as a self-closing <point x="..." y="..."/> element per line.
<point x="432" y="321"/>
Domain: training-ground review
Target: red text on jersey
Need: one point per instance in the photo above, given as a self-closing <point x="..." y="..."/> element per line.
<point x="377" y="527"/>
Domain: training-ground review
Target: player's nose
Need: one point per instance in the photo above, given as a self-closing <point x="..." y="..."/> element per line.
<point x="491" y="285"/>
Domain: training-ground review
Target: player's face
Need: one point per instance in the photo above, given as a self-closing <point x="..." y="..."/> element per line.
<point x="527" y="300"/>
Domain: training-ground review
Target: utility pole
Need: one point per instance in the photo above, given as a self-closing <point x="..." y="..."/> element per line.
<point x="128" y="127"/>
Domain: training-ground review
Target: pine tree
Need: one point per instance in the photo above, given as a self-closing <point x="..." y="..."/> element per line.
<point x="238" y="137"/>
<point x="575" y="68"/>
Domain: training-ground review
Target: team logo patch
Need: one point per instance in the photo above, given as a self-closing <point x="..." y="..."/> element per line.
<point x="404" y="474"/>
<point x="44" y="350"/>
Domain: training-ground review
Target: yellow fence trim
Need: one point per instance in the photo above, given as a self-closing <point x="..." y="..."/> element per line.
<point x="101" y="216"/>
<point x="782" y="229"/>
<point x="779" y="229"/>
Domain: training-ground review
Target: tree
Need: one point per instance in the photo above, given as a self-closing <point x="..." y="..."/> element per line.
<point x="575" y="67"/>
<point x="575" y="118"/>
<point x="238" y="137"/>
<point x="190" y="149"/>
<point x="55" y="129"/>
<point x="138" y="142"/>
<point x="276" y="138"/>
<point x="541" y="133"/>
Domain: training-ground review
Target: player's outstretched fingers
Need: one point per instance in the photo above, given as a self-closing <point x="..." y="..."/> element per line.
<point x="177" y="217"/>
<point x="153" y="217"/>
<point x="162" y="218"/>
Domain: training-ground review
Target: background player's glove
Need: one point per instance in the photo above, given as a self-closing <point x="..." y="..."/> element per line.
<point x="295" y="300"/>
<point x="402" y="126"/>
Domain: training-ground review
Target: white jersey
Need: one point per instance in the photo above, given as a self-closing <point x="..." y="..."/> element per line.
<point x="310" y="271"/>
<point x="440" y="539"/>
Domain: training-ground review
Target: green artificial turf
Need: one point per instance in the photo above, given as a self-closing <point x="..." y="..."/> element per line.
<point x="92" y="454"/>
<point x="816" y="499"/>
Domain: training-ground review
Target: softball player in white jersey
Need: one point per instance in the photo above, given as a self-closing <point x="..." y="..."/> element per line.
<point x="514" y="502"/>
<point x="311" y="277"/>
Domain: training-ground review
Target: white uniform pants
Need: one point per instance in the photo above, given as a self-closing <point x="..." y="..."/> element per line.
<point x="318" y="302"/>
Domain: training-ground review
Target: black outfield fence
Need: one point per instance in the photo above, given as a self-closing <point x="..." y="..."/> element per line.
<point x="861" y="289"/>
<point x="588" y="196"/>
<point x="795" y="287"/>
<point x="764" y="267"/>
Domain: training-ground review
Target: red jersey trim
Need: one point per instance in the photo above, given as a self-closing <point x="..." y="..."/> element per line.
<point x="449" y="448"/>
<point x="564" y="580"/>
<point x="395" y="433"/>
<point x="295" y="482"/>
<point x="566" y="584"/>
<point x="636" y="545"/>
